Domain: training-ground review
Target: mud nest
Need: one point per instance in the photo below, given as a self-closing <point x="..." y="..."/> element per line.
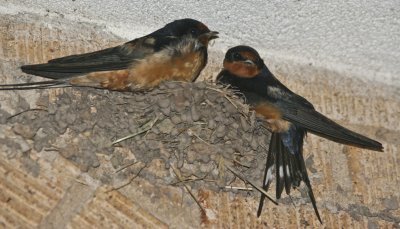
<point x="177" y="132"/>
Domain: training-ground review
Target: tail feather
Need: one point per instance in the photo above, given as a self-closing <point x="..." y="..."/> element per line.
<point x="280" y="179"/>
<point x="308" y="184"/>
<point x="34" y="85"/>
<point x="289" y="167"/>
<point x="286" y="173"/>
<point x="269" y="171"/>
<point x="43" y="71"/>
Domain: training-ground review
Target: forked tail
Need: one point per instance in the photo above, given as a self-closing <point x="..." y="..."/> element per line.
<point x="285" y="160"/>
<point x="34" y="85"/>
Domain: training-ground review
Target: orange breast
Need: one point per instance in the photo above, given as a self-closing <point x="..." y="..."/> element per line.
<point x="241" y="69"/>
<point x="112" y="80"/>
<point x="273" y="117"/>
<point x="161" y="66"/>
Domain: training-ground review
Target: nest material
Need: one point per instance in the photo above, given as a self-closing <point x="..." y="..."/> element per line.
<point x="177" y="133"/>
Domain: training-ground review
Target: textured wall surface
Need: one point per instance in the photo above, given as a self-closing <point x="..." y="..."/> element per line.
<point x="354" y="188"/>
<point x="356" y="38"/>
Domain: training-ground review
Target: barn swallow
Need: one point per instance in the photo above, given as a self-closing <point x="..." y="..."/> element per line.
<point x="178" y="51"/>
<point x="288" y="116"/>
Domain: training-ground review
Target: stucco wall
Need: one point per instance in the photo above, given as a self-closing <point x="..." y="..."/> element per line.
<point x="355" y="38"/>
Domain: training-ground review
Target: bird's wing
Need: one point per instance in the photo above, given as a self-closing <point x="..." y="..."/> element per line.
<point x="318" y="124"/>
<point x="115" y="58"/>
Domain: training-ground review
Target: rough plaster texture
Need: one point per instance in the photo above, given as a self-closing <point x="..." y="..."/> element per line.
<point x="354" y="38"/>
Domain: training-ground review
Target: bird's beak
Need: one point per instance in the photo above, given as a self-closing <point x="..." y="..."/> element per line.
<point x="206" y="37"/>
<point x="212" y="35"/>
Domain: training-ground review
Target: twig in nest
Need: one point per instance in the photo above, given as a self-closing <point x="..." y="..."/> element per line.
<point x="209" y="102"/>
<point x="221" y="171"/>
<point x="241" y="164"/>
<point x="291" y="200"/>
<point x="224" y="94"/>
<point x="245" y="154"/>
<point x="203" y="178"/>
<point x="238" y="188"/>
<point x="53" y="148"/>
<point x="146" y="127"/>
<point x="81" y="182"/>
<point x="125" y="166"/>
<point x="178" y="175"/>
<point x="19" y="113"/>
<point x="130" y="180"/>
<point x="187" y="180"/>
<point x="252" y="184"/>
<point x="191" y="132"/>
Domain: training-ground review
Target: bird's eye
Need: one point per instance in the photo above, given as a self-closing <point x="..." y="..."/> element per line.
<point x="193" y="31"/>
<point x="237" y="56"/>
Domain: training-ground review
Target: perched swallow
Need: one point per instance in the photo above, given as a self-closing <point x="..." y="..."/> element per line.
<point x="178" y="51"/>
<point x="288" y="116"/>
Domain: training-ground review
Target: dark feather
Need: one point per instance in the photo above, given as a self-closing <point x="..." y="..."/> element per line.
<point x="35" y="85"/>
<point x="279" y="154"/>
<point x="280" y="181"/>
<point x="269" y="169"/>
<point x="318" y="124"/>
<point x="116" y="58"/>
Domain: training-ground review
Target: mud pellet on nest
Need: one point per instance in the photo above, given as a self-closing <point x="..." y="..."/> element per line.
<point x="174" y="132"/>
<point x="179" y="104"/>
<point x="116" y="160"/>
<point x="206" y="167"/>
<point x="227" y="153"/>
<point x="61" y="127"/>
<point x="139" y="98"/>
<point x="164" y="103"/>
<point x="23" y="145"/>
<point x="188" y="93"/>
<point x="198" y="95"/>
<point x="24" y="131"/>
<point x="176" y="119"/>
<point x="245" y="125"/>
<point x="254" y="144"/>
<point x="212" y="124"/>
<point x="220" y="118"/>
<point x="204" y="158"/>
<point x="194" y="113"/>
<point x="191" y="156"/>
<point x="70" y="118"/>
<point x="220" y="131"/>
<point x="167" y="164"/>
<point x="181" y="160"/>
<point x="187" y="117"/>
<point x="166" y="111"/>
<point x="212" y="96"/>
<point x="232" y="134"/>
<point x="131" y="109"/>
<point x="166" y="126"/>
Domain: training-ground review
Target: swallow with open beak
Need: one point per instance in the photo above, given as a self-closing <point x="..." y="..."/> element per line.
<point x="178" y="51"/>
<point x="288" y="116"/>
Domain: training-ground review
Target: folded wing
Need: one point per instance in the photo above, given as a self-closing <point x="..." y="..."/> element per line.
<point x="115" y="58"/>
<point x="318" y="124"/>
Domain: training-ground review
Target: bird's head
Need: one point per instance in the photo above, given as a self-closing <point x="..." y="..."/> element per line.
<point x="190" y="27"/>
<point x="243" y="61"/>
